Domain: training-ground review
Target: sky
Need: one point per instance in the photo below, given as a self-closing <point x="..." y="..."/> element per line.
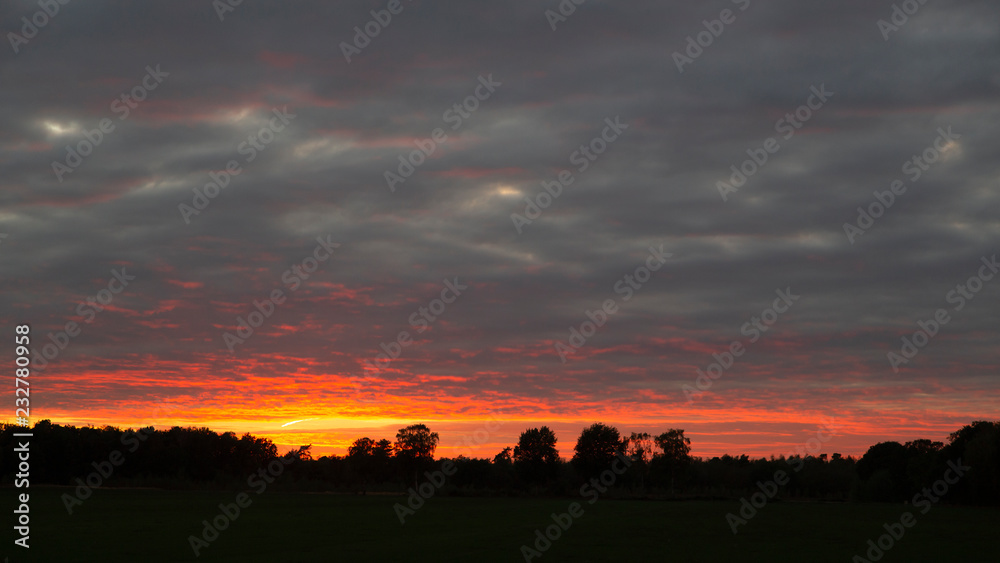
<point x="473" y="187"/>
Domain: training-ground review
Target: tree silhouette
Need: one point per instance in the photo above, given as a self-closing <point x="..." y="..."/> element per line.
<point x="415" y="445"/>
<point x="504" y="457"/>
<point x="924" y="446"/>
<point x="596" y="448"/>
<point x="302" y="453"/>
<point x="382" y="449"/>
<point x="674" y="453"/>
<point x="673" y="445"/>
<point x="416" y="441"/>
<point x="381" y="460"/>
<point x="978" y="446"/>
<point x="639" y="447"/>
<point x="882" y="472"/>
<point x="361" y="448"/>
<point x="369" y="461"/>
<point x="535" y="455"/>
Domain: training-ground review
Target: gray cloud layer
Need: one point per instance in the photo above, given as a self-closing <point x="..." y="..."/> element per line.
<point x="655" y="185"/>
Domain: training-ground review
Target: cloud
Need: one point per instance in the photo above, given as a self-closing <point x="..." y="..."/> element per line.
<point x="323" y="175"/>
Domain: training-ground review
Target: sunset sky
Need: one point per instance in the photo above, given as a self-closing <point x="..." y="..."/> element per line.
<point x="157" y="354"/>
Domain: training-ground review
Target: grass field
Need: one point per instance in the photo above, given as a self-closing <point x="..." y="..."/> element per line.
<point x="152" y="526"/>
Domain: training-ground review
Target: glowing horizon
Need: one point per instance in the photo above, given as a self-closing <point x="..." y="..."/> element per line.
<point x="314" y="247"/>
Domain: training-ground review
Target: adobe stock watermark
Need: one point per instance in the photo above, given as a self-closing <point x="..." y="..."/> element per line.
<point x="455" y="116"/>
<point x="626" y="287"/>
<point x="960" y="296"/>
<point x="566" y="9"/>
<point x="787" y="126"/>
<point x="87" y="309"/>
<point x="105" y="468"/>
<point x="228" y="513"/>
<point x="363" y="36"/>
<point x="249" y="149"/>
<point x="754" y="328"/>
<point x="123" y="106"/>
<point x="31" y="26"/>
<point x="583" y="157"/>
<point x="768" y="490"/>
<point x="292" y="278"/>
<point x="913" y="168"/>
<point x="702" y="40"/>
<point x="925" y="499"/>
<point x="564" y="521"/>
<point x="223" y="7"/>
<point x="420" y="320"/>
<point x="437" y="479"/>
<point x="899" y="16"/>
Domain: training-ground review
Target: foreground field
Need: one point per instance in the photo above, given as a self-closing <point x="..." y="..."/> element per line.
<point x="153" y="526"/>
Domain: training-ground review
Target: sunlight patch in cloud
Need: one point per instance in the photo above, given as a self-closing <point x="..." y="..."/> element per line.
<point x="61" y="129"/>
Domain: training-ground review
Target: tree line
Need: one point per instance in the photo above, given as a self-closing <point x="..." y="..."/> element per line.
<point x="658" y="466"/>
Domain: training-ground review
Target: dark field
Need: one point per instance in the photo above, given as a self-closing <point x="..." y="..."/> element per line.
<point x="152" y="525"/>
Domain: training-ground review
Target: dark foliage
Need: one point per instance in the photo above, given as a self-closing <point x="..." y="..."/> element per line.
<point x="660" y="466"/>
